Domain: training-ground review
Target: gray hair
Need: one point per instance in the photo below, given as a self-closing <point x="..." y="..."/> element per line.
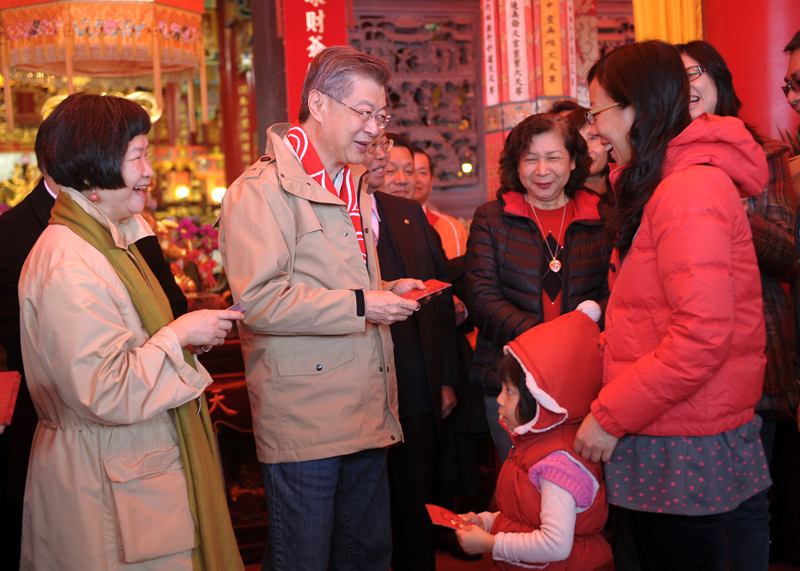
<point x="334" y="70"/>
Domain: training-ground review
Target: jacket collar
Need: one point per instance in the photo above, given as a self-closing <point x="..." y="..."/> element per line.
<point x="42" y="202"/>
<point x="585" y="203"/>
<point x="294" y="179"/>
<point x="124" y="233"/>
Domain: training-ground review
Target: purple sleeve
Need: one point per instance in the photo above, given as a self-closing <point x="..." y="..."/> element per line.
<point x="567" y="473"/>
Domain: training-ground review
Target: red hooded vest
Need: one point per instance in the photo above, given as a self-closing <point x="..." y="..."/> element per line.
<point x="563" y="366"/>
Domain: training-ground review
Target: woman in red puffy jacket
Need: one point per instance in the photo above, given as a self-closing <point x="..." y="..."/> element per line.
<point x="684" y="356"/>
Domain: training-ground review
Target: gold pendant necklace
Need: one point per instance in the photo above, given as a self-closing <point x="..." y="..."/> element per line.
<point x="554" y="264"/>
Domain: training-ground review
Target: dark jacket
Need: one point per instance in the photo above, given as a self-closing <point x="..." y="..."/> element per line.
<point x="424" y="259"/>
<point x="505" y="261"/>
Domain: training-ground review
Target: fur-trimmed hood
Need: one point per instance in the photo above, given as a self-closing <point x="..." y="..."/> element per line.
<point x="563" y="365"/>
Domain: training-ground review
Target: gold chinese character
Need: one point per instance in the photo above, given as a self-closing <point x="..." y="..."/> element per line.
<point x="216" y="400"/>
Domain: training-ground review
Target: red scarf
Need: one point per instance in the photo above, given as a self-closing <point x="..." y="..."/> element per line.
<point x="313" y="167"/>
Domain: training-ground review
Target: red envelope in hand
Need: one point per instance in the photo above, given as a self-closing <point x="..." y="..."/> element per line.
<point x="9" y="386"/>
<point x="444" y="517"/>
<point x="431" y="287"/>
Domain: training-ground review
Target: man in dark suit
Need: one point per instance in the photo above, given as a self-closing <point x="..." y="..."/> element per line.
<point x="20" y="227"/>
<point x="425" y="354"/>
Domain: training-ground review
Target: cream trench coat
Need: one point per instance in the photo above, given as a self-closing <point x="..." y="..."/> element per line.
<point x="320" y="377"/>
<point x="106" y="487"/>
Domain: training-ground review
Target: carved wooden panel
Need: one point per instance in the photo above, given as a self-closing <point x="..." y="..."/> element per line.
<point x="614" y="24"/>
<point x="434" y="95"/>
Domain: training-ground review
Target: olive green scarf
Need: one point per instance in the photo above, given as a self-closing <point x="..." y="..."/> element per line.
<point x="215" y="544"/>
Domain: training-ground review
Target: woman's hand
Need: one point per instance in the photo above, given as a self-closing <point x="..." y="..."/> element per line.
<point x="206" y="327"/>
<point x="592" y="442"/>
<point x="473" y="539"/>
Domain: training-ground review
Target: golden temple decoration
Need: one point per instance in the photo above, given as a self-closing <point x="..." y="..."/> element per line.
<point x="118" y="45"/>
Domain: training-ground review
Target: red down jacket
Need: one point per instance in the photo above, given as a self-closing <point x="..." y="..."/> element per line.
<point x="685" y="334"/>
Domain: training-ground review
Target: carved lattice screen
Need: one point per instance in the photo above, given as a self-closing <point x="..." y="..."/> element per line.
<point x="434" y="96"/>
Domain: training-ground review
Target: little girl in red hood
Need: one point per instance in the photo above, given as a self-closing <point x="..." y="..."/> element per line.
<point x="552" y="502"/>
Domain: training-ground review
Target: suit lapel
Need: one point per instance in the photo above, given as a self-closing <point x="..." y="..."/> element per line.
<point x="397" y="218"/>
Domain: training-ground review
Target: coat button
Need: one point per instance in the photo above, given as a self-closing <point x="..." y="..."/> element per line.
<point x="318" y="367"/>
<point x="346" y="234"/>
<point x="380" y="369"/>
<point x="392" y="437"/>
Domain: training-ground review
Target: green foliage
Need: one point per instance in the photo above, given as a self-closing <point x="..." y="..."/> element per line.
<point x="793" y="140"/>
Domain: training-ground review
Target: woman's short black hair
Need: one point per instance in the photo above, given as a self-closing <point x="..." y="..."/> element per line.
<point x="510" y="371"/>
<point x="519" y="141"/>
<point x="88" y="137"/>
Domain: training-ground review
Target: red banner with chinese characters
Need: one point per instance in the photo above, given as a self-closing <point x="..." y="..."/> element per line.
<point x="310" y="26"/>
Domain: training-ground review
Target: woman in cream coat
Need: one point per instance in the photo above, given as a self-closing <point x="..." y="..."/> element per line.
<point x="107" y="484"/>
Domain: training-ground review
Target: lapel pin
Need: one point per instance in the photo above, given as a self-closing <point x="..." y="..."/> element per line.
<point x="406" y="221"/>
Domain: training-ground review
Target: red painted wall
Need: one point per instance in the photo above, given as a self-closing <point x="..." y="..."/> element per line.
<point x="751" y="37"/>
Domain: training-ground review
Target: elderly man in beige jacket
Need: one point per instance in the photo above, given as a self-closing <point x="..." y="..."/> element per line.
<point x="316" y="341"/>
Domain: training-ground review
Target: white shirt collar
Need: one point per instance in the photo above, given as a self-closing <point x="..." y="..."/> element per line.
<point x="49" y="191"/>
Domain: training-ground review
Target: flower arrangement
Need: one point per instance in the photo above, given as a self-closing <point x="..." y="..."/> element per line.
<point x="196" y="243"/>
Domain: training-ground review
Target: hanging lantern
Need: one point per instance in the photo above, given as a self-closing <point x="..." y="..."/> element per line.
<point x="115" y="45"/>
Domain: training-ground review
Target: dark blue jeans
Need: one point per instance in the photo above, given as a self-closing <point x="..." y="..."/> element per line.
<point x="329" y="514"/>
<point x="748" y="527"/>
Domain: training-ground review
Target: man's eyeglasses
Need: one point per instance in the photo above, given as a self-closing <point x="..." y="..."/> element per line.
<point x="365" y="117"/>
<point x="793" y="85"/>
<point x="590" y="114"/>
<point x="387" y="146"/>
<point x="695" y="71"/>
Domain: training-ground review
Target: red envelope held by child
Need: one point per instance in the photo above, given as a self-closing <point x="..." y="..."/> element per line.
<point x="444" y="517"/>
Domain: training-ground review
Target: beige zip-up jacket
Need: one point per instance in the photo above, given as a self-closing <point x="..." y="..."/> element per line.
<point x="320" y="377"/>
<point x="106" y="487"/>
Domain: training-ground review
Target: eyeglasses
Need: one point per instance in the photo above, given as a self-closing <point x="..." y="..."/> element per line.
<point x="590" y="114"/>
<point x="387" y="146"/>
<point x="793" y="85"/>
<point x="365" y="117"/>
<point x="695" y="71"/>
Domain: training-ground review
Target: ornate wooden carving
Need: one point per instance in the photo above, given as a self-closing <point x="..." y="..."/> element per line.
<point x="433" y="95"/>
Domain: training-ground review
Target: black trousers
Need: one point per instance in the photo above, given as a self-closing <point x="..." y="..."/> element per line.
<point x="667" y="542"/>
<point x="411" y="467"/>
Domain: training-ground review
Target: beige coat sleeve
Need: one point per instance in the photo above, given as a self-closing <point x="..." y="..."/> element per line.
<point x="265" y="244"/>
<point x="90" y="342"/>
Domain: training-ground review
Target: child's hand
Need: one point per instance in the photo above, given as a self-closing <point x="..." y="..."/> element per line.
<point x="473" y="539"/>
<point x="471" y="517"/>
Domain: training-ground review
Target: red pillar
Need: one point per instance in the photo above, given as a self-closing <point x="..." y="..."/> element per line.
<point x="229" y="100"/>
<point x="751" y="37"/>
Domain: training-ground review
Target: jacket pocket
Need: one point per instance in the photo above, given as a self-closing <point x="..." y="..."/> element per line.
<point x="150" y="495"/>
<point x="645" y="333"/>
<point x="318" y="361"/>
